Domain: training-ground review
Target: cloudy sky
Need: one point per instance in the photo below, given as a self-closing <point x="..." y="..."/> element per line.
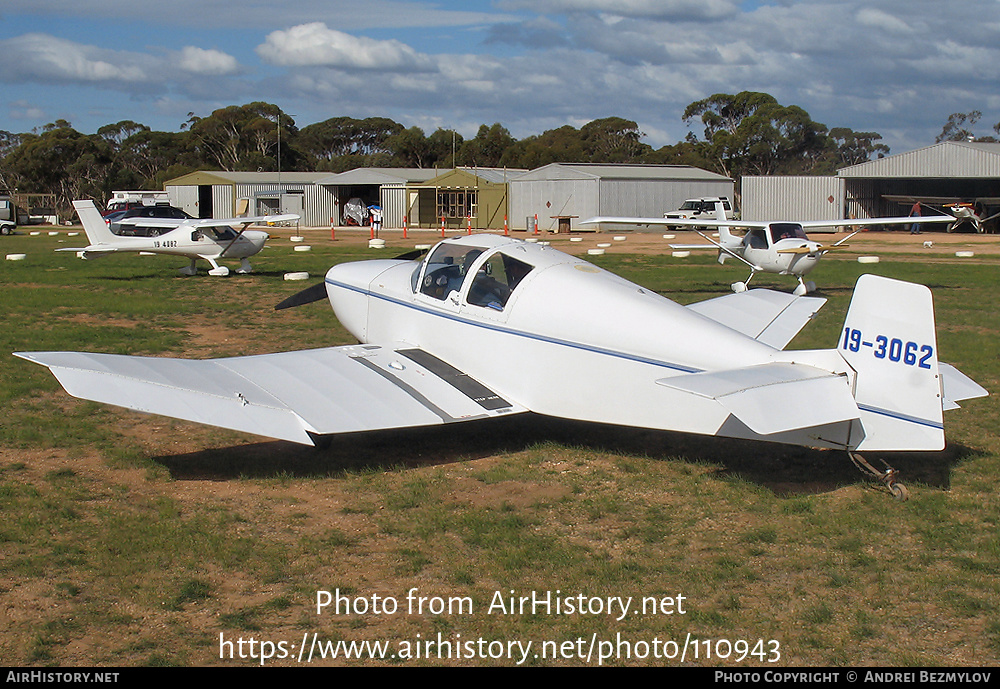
<point x="898" y="67"/>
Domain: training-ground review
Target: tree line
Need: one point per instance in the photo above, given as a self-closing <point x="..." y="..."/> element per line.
<point x="744" y="133"/>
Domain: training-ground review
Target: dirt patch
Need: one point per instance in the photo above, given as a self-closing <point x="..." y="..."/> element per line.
<point x="517" y="494"/>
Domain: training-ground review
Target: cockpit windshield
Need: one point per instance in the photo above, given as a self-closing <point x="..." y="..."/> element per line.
<point x="495" y="281"/>
<point x="787" y="230"/>
<point x="447" y="268"/>
<point x="450" y="267"/>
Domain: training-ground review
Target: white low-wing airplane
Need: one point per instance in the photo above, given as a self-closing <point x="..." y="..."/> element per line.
<point x="209" y="239"/>
<point x="780" y="247"/>
<point x="486" y="326"/>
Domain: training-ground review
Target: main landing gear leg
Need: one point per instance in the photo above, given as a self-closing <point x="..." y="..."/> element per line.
<point x="217" y="270"/>
<point x="743" y="286"/>
<point x="887" y="477"/>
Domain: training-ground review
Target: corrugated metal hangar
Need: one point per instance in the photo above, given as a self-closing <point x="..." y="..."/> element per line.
<point x="945" y="173"/>
<point x="948" y="172"/>
<point x="584" y="190"/>
<point x="486" y="196"/>
<point x="385" y="187"/>
<point x="217" y="194"/>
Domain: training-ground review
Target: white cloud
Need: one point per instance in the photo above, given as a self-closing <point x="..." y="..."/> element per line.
<point x="225" y="15"/>
<point x="659" y="9"/>
<point x="878" y="19"/>
<point x="316" y="45"/>
<point x="201" y="61"/>
<point x="23" y="110"/>
<point x="48" y="58"/>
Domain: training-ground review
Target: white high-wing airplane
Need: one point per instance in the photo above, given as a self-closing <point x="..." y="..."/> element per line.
<point x="209" y="239"/>
<point x="971" y="212"/>
<point x="486" y="326"/>
<point x="780" y="247"/>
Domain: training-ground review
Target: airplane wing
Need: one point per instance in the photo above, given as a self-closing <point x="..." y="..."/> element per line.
<point x="739" y="224"/>
<point x="757" y="224"/>
<point x="868" y="222"/>
<point x="292" y="395"/>
<point x="163" y="223"/>
<point x="694" y="247"/>
<point x="771" y="317"/>
<point x="246" y="222"/>
<point x="940" y="200"/>
<point x="195" y="223"/>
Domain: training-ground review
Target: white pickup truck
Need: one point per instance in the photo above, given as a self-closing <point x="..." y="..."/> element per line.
<point x="8" y="218"/>
<point x="703" y="208"/>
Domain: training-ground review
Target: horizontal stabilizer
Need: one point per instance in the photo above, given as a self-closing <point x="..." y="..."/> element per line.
<point x="957" y="386"/>
<point x="94" y="249"/>
<point x="774" y="398"/>
<point x="773" y="318"/>
<point x="291" y="395"/>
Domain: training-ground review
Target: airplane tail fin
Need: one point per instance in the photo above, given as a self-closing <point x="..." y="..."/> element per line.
<point x="725" y="236"/>
<point x="889" y="340"/>
<point x="93" y="224"/>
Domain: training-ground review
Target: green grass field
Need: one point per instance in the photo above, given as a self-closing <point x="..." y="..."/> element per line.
<point x="130" y="539"/>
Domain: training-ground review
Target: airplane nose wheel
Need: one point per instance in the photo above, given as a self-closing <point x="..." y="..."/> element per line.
<point x="804" y="288"/>
<point x="886" y="477"/>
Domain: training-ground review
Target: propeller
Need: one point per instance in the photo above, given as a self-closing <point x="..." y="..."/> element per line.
<point x="318" y="291"/>
<point x="306" y="296"/>
<point x="819" y="249"/>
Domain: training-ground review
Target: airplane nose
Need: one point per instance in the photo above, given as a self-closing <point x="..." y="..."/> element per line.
<point x="357" y="275"/>
<point x="257" y="237"/>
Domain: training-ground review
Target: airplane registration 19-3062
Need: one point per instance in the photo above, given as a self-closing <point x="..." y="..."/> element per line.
<point x="485" y="326"/>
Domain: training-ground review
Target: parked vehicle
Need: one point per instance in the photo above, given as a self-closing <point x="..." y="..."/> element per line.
<point x="124" y="200"/>
<point x="129" y="230"/>
<point x="8" y="216"/>
<point x="695" y="209"/>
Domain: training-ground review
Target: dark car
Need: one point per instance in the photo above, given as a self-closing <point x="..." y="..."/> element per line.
<point x="129" y="230"/>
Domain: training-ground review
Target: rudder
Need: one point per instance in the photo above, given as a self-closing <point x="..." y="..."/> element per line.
<point x="93" y="224"/>
<point x="889" y="340"/>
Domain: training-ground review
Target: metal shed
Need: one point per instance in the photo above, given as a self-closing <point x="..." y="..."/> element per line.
<point x="792" y="198"/>
<point x="216" y="194"/>
<point x="461" y="198"/>
<point x="584" y="190"/>
<point x="383" y="186"/>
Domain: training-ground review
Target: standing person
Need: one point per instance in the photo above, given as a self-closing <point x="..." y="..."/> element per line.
<point x="915" y="212"/>
<point x="376" y="216"/>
